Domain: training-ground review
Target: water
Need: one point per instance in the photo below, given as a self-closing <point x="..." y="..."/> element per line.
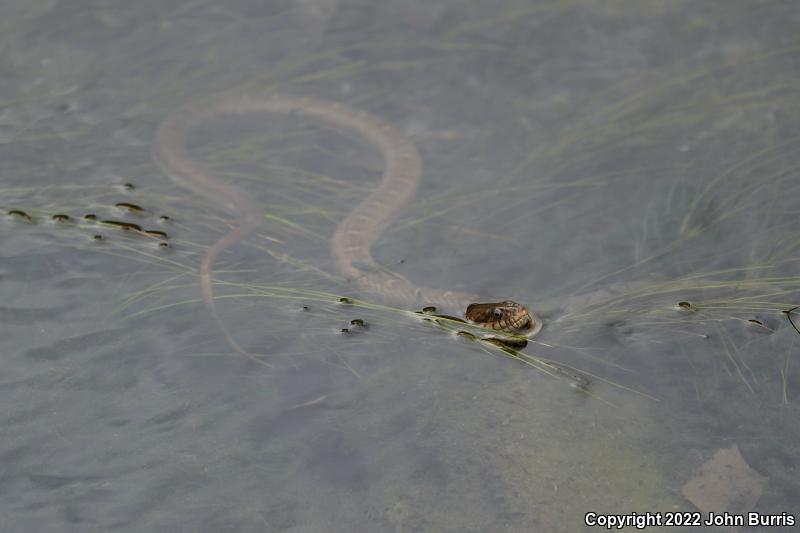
<point x="600" y="162"/>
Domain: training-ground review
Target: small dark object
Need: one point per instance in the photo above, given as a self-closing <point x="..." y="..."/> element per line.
<point x="345" y="300"/>
<point x="358" y="323"/>
<point x="60" y="218"/>
<point x="512" y="343"/>
<point x="760" y="325"/>
<point x="127" y="226"/>
<point x="429" y="310"/>
<point x="687" y="306"/>
<point x="129" y="207"/>
<point x="163" y="245"/>
<point x="467" y="335"/>
<point x="789" y="316"/>
<point x="163" y="218"/>
<point x="306" y="308"/>
<point x="98" y="237"/>
<point x="452" y="319"/>
<point x="21" y="214"/>
<point x="156" y="233"/>
<point x="128" y="186"/>
<point x="344" y="331"/>
<point x="90" y="216"/>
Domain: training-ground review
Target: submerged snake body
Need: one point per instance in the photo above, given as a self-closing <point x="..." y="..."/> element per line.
<point x="354" y="236"/>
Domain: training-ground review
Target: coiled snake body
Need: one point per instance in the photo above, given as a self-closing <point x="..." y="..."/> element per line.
<point x="355" y="234"/>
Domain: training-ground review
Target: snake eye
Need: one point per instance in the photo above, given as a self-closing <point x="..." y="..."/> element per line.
<point x="497" y="312"/>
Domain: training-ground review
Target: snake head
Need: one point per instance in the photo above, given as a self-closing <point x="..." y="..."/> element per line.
<point x="507" y="316"/>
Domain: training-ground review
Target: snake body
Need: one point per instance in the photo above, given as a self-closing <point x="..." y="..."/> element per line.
<point x="353" y="238"/>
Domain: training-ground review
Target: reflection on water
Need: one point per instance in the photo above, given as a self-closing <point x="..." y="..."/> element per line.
<point x="627" y="169"/>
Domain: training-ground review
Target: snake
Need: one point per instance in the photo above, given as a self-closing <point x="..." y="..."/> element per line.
<point x="353" y="238"/>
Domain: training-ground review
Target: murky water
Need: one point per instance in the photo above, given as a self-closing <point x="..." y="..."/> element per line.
<point x="598" y="161"/>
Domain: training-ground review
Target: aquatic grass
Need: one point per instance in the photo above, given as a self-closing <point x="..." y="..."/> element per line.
<point x="292" y="222"/>
<point x="744" y="294"/>
<point x="454" y="199"/>
<point x="619" y="128"/>
<point x="509" y="16"/>
<point x="493" y="343"/>
<point x="551" y="134"/>
<point x="334" y="310"/>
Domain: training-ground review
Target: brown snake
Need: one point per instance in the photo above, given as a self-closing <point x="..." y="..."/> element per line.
<point x="355" y="234"/>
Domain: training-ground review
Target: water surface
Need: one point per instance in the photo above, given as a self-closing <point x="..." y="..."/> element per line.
<point x="598" y="161"/>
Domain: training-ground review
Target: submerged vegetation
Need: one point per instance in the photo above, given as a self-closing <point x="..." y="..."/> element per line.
<point x="707" y="250"/>
<point x="628" y="170"/>
<point x="698" y="303"/>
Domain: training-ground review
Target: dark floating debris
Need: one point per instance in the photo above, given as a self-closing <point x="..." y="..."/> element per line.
<point x="163" y="218"/>
<point x="128" y="186"/>
<point x="687" y="306"/>
<point x="512" y="342"/>
<point x="127" y="226"/>
<point x="439" y="319"/>
<point x="163" y="245"/>
<point x="306" y="308"/>
<point x="98" y="237"/>
<point x="345" y="300"/>
<point x="20" y="214"/>
<point x="157" y="233"/>
<point x="90" y="216"/>
<point x="130" y="207"/>
<point x="467" y="335"/>
<point x="344" y="331"/>
<point x="452" y="319"/>
<point x="60" y="218"/>
<point x="759" y="324"/>
<point x="789" y="316"/>
<point x="357" y="322"/>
